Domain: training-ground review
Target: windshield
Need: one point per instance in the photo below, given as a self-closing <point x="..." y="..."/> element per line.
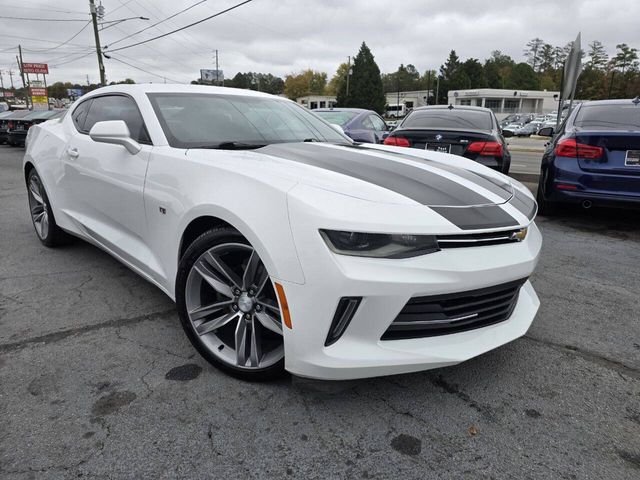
<point x="610" y="117"/>
<point x="339" y="118"/>
<point x="448" y="118"/>
<point x="202" y="120"/>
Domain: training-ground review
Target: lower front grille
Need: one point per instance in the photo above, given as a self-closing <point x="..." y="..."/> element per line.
<point x="454" y="312"/>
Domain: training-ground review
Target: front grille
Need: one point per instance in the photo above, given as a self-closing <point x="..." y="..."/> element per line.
<point x="478" y="239"/>
<point x="454" y="312"/>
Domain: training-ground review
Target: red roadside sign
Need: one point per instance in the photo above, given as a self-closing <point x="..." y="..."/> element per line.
<point x="35" y="68"/>
<point x="38" y="92"/>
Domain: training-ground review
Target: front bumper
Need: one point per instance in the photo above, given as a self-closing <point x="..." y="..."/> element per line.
<point x="386" y="285"/>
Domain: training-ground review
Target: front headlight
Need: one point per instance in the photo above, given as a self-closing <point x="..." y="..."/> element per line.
<point x="379" y="245"/>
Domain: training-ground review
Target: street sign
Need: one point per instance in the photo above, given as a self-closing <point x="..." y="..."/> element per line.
<point x="572" y="69"/>
<point x="7" y="94"/>
<point x="37" y="83"/>
<point x="35" y="68"/>
<point x="74" y="92"/>
<point x="39" y="98"/>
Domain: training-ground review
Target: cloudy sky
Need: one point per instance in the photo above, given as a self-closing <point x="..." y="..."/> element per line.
<point x="284" y="36"/>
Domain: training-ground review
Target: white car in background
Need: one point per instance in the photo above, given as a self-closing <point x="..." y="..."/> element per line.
<point x="284" y="244"/>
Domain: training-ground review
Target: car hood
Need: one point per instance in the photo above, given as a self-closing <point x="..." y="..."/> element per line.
<point x="387" y="176"/>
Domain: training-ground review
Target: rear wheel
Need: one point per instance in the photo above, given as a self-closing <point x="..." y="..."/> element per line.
<point x="545" y="207"/>
<point x="228" y="306"/>
<point x="41" y="213"/>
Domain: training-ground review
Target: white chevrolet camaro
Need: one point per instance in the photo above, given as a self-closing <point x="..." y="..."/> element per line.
<point x="285" y="245"/>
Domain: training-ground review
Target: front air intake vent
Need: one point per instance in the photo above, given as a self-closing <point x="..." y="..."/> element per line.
<point x="454" y="312"/>
<point x="347" y="307"/>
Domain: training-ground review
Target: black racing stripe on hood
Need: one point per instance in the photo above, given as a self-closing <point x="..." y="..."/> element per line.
<point x="475" y="218"/>
<point x="503" y="189"/>
<point x="418" y="184"/>
<point x="525" y="204"/>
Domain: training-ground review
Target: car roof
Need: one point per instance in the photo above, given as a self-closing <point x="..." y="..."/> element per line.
<point x="607" y="102"/>
<point x="18" y="114"/>
<point x="355" y="110"/>
<point x="176" y="88"/>
<point x="452" y="107"/>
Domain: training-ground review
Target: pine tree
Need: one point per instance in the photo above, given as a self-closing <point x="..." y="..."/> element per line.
<point x="365" y="84"/>
<point x="598" y="58"/>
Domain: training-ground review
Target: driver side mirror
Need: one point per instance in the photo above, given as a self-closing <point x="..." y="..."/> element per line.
<point x="115" y="132"/>
<point x="507" y="133"/>
<point x="546" y="132"/>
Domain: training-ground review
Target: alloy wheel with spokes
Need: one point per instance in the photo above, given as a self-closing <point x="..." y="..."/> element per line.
<point x="38" y="206"/>
<point x="231" y="306"/>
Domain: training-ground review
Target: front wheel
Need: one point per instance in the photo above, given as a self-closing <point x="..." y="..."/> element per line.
<point x="228" y="306"/>
<point x="546" y="208"/>
<point x="41" y="213"/>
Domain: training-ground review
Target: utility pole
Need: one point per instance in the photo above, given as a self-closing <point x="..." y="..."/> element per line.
<point x="217" y="79"/>
<point x="94" y="19"/>
<point x="428" y="84"/>
<point x="437" y="89"/>
<point x="11" y="78"/>
<point x="2" y="82"/>
<point x="348" y="73"/>
<point x="24" y="85"/>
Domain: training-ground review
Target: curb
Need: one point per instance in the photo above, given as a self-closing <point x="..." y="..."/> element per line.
<point x="525" y="149"/>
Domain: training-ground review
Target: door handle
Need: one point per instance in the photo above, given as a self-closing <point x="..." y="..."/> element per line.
<point x="73" y="152"/>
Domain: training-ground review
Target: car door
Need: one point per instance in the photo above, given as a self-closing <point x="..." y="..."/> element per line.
<point x="379" y="125"/>
<point x="104" y="183"/>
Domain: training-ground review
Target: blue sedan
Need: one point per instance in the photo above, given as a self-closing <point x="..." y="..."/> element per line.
<point x="594" y="158"/>
<point x="361" y="125"/>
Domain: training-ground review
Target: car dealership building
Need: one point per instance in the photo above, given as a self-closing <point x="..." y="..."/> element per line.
<point x="506" y="100"/>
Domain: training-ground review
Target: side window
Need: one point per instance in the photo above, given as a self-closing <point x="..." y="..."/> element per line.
<point x="378" y="123"/>
<point x="117" y="107"/>
<point x="80" y="114"/>
<point x="366" y="123"/>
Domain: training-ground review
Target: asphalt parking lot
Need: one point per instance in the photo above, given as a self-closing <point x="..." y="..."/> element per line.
<point x="97" y="379"/>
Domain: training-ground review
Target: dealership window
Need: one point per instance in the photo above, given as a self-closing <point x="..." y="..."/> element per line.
<point x="465" y="101"/>
<point x="493" y="103"/>
<point x="323" y="104"/>
<point x="511" y="105"/>
<point x="313" y="105"/>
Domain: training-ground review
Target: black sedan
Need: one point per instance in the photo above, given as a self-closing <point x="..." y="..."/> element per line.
<point x="18" y="128"/>
<point x="471" y="132"/>
<point x="7" y="120"/>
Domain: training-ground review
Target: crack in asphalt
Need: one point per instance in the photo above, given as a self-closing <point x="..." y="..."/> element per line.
<point x="61" y="335"/>
<point x="590" y="356"/>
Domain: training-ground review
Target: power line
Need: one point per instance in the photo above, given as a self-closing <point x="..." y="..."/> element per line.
<point x="65" y="42"/>
<point x="41" y="9"/>
<point x="141" y="69"/>
<point x="185" y="27"/>
<point x="38" y="39"/>
<point x="46" y="19"/>
<point x="73" y="59"/>
<point x="158" y="23"/>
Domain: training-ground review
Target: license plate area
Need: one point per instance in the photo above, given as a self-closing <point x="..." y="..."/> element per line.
<point x="632" y="158"/>
<point x="438" y="147"/>
<point x="19" y="128"/>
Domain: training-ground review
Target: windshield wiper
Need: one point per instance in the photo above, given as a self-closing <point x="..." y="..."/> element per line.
<point x="235" y="146"/>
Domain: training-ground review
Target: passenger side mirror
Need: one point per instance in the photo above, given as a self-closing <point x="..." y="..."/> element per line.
<point x="507" y="133"/>
<point x="338" y="128"/>
<point x="546" y="132"/>
<point x="115" y="132"/>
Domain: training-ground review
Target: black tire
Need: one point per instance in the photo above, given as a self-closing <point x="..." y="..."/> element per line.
<point x="50" y="236"/>
<point x="206" y="241"/>
<point x="546" y="208"/>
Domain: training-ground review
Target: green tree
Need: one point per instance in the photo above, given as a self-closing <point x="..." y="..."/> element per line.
<point x="532" y="52"/>
<point x="404" y="79"/>
<point x="497" y="69"/>
<point x="307" y="82"/>
<point x="523" y="77"/>
<point x="598" y="58"/>
<point x="365" y="85"/>
<point x="547" y="58"/>
<point x="472" y="72"/>
<point x="626" y="61"/>
<point x="338" y="79"/>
